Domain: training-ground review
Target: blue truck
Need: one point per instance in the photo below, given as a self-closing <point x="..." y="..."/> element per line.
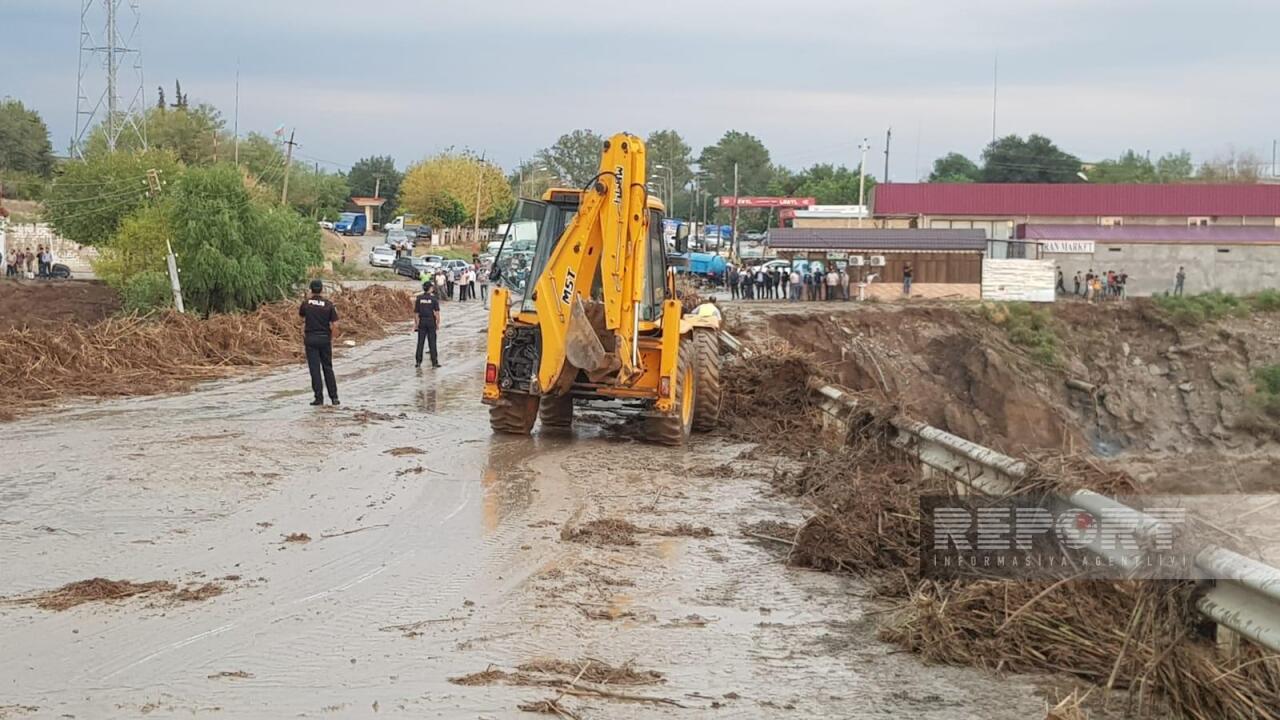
<point x="350" y="224"/>
<point x="705" y="265"/>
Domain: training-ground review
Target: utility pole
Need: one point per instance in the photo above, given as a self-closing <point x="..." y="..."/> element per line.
<point x="288" y="165"/>
<point x="734" y="253"/>
<point x="479" y="182"/>
<point x="1273" y="158"/>
<point x="862" y="180"/>
<point x="887" y="137"/>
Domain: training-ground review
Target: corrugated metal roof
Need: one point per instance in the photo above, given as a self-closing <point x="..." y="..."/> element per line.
<point x="1075" y="199"/>
<point x="1159" y="234"/>
<point x="876" y="239"/>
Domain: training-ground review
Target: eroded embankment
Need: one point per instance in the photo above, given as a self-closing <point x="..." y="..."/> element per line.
<point x="958" y="370"/>
<point x="1162" y="390"/>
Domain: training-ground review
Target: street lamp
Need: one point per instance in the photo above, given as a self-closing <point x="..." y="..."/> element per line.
<point x="540" y="168"/>
<point x="670" y="177"/>
<point x="1082" y="176"/>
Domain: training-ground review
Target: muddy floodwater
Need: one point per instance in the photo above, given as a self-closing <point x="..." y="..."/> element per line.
<point x="432" y="550"/>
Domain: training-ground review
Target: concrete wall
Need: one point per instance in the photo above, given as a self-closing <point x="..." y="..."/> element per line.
<point x="1018" y="280"/>
<point x="1151" y="267"/>
<point x="25" y="236"/>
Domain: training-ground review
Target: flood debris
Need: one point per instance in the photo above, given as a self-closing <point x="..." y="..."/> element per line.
<point x="169" y="352"/>
<point x="550" y="706"/>
<point x="604" y="531"/>
<point x="406" y="450"/>
<point x="684" y="530"/>
<point x="93" y="590"/>
<point x="197" y="593"/>
<point x="1142" y="637"/>
<point x="298" y="537"/>
<point x="233" y="674"/>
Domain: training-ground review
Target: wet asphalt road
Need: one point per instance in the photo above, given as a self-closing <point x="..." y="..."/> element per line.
<point x="414" y="575"/>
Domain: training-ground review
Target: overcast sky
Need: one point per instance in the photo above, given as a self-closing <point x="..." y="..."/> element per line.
<point x="811" y="78"/>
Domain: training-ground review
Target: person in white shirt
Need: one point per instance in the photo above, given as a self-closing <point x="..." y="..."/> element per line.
<point x="833" y="284"/>
<point x="796" y="287"/>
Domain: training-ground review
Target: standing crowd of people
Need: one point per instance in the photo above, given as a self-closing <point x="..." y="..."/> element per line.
<point x="461" y="282"/>
<point x="19" y="262"/>
<point x="1095" y="287"/>
<point x="796" y="283"/>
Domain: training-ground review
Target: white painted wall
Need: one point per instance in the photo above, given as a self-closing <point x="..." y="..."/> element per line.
<point x="1018" y="280"/>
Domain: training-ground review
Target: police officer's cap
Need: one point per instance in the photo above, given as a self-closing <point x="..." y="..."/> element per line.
<point x="426" y="285"/>
<point x="317" y="286"/>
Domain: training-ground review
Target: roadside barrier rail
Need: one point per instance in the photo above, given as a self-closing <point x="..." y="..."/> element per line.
<point x="1240" y="593"/>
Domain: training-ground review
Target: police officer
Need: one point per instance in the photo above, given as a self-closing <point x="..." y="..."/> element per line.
<point x="426" y="318"/>
<point x="318" y="316"/>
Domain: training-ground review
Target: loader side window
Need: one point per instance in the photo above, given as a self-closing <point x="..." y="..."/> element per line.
<point x="655" y="270"/>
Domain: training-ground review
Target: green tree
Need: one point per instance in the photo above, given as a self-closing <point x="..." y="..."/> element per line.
<point x="195" y="135"/>
<point x="24" y="141"/>
<point x="831" y="185"/>
<point x="137" y="247"/>
<point x="954" y="168"/>
<point x="236" y="252"/>
<point x="1034" y="160"/>
<point x="575" y="156"/>
<point x="755" y="174"/>
<point x="1130" y="167"/>
<point x="90" y="198"/>
<point x="377" y="173"/>
<point x="1175" y="167"/>
<point x="435" y="188"/>
<point x="317" y="194"/>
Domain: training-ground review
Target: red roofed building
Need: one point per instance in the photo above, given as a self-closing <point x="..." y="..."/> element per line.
<point x="999" y="208"/>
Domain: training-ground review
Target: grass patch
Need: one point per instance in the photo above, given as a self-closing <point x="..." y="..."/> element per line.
<point x="1026" y="326"/>
<point x="1211" y="306"/>
<point x="1264" y="404"/>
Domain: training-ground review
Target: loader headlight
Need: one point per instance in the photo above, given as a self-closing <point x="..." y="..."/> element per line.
<point x="490" y="373"/>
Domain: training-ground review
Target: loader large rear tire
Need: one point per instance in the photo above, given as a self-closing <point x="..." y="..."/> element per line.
<point x="516" y="417"/>
<point x="674" y="429"/>
<point x="706" y="406"/>
<point x="556" y="411"/>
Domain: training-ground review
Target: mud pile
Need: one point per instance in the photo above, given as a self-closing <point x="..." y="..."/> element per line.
<point x="133" y="355"/>
<point x="37" y="304"/>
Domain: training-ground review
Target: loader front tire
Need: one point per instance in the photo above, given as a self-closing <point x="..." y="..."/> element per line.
<point x="674" y="428"/>
<point x="706" y="406"/>
<point x="516" y="416"/>
<point x="556" y="411"/>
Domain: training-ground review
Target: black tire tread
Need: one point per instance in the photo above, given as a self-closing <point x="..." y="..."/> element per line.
<point x="706" y="406"/>
<point x="516" y="416"/>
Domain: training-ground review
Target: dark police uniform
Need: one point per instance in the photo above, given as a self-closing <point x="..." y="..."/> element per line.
<point x="319" y="314"/>
<point x="426" y="305"/>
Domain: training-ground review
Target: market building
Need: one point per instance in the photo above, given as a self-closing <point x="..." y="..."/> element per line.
<point x="998" y="208"/>
<point x="1236" y="259"/>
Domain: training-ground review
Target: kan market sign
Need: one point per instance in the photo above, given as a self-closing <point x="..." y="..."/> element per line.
<point x="766" y="202"/>
<point x="1067" y="246"/>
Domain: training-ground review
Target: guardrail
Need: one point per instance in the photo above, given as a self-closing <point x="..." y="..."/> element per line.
<point x="1242" y="594"/>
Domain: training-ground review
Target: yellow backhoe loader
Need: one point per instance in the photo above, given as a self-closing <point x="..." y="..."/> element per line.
<point x="598" y="317"/>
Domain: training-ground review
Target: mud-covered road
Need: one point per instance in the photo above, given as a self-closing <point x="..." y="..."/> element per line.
<point x="434" y="561"/>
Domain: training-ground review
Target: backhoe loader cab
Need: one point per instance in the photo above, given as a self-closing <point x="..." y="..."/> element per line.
<point x="598" y="315"/>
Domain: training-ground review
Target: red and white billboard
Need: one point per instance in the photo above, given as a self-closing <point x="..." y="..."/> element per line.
<point x="765" y="202"/>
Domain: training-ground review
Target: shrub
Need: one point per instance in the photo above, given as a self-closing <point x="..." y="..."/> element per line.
<point x="1266" y="301"/>
<point x="146" y="291"/>
<point x="1206" y="307"/>
<point x="1026" y="326"/>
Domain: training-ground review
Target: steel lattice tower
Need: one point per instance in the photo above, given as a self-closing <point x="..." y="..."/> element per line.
<point x="103" y="45"/>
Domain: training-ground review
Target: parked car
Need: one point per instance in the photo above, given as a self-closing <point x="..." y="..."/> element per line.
<point x="382" y="256"/>
<point x="326" y="225"/>
<point x="433" y="262"/>
<point x="451" y="266"/>
<point x="410" y="266"/>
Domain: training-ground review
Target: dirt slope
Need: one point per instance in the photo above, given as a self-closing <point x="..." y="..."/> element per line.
<point x="33" y="303"/>
<point x="1165" y="391"/>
